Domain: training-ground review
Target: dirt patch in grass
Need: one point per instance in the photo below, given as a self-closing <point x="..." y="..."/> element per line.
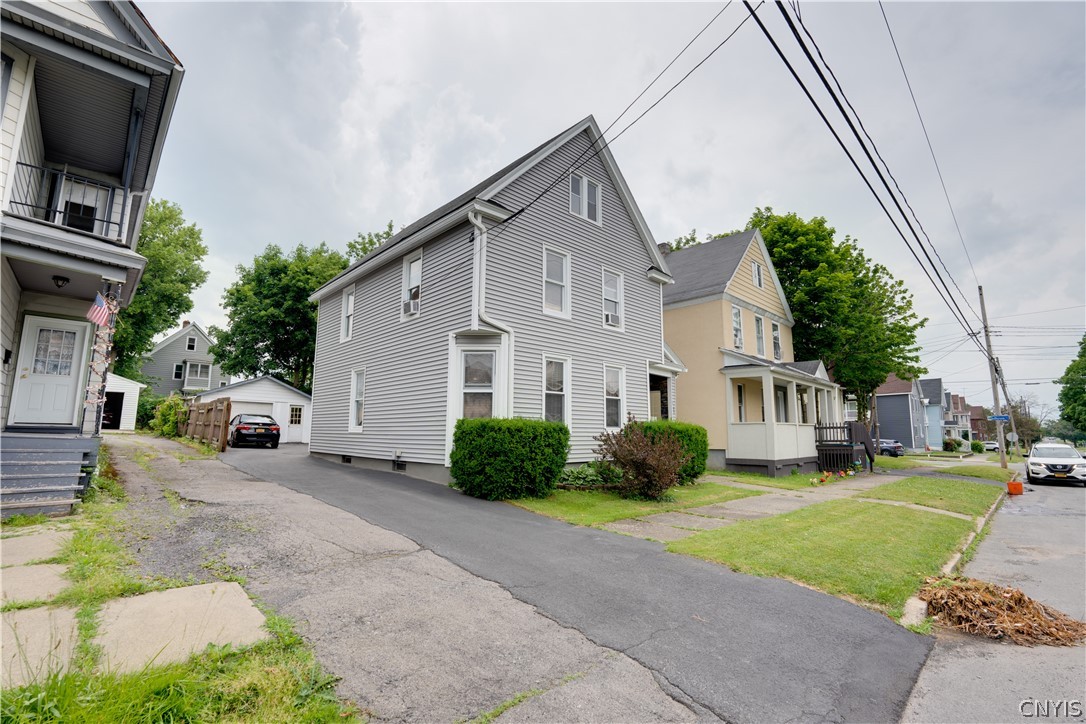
<point x="997" y="612"/>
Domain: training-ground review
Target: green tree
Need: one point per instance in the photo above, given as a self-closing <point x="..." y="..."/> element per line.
<point x="1073" y="391"/>
<point x="364" y="243"/>
<point x="850" y="312"/>
<point x="174" y="251"/>
<point x="272" y="324"/>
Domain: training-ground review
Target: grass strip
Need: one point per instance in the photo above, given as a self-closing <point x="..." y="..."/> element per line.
<point x="979" y="471"/>
<point x="872" y="553"/>
<point x="788" y="482"/>
<point x="594" y="507"/>
<point x="957" y="496"/>
<point x="885" y="462"/>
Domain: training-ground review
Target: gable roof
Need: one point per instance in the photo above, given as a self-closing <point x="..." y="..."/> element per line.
<point x="895" y="386"/>
<point x="242" y="383"/>
<point x="177" y="335"/>
<point x="932" y="390"/>
<point x="484" y="191"/>
<point x="708" y="268"/>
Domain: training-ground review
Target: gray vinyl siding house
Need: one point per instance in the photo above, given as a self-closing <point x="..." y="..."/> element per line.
<point x="182" y="363"/>
<point x="390" y="379"/>
<point x="901" y="413"/>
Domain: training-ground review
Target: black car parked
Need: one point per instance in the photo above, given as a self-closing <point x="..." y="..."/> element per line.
<point x="891" y="447"/>
<point x="255" y="429"/>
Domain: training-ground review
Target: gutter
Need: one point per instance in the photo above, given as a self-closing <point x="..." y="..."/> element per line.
<point x="479" y="304"/>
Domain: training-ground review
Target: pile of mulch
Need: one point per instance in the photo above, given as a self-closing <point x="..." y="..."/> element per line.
<point x="983" y="608"/>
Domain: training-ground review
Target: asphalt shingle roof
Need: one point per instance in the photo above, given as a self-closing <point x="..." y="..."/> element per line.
<point x="705" y="268"/>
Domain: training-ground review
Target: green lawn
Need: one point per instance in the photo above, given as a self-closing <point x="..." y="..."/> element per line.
<point x="957" y="496"/>
<point x="979" y="471"/>
<point x="593" y="507"/>
<point x="788" y="482"/>
<point x="1011" y="458"/>
<point x="876" y="554"/>
<point x="885" y="462"/>
<point x="940" y="454"/>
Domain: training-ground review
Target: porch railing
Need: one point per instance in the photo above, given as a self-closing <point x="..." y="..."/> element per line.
<point x="841" y="445"/>
<point x="78" y="202"/>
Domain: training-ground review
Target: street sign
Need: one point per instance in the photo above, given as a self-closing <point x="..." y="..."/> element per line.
<point x="1012" y="436"/>
<point x="999" y="418"/>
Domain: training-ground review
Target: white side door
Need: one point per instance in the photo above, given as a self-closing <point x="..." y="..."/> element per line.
<point x="52" y="368"/>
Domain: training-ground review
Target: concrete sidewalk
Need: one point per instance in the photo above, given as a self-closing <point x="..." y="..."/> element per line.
<point x="154" y="628"/>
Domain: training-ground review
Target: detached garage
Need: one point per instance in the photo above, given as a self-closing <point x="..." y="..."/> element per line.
<point x="122" y="396"/>
<point x="268" y="396"/>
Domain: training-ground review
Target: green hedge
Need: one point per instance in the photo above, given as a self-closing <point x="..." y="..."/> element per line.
<point x="976" y="446"/>
<point x="695" y="442"/>
<point x="499" y="459"/>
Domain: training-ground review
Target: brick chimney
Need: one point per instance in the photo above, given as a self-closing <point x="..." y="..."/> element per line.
<point x="665" y="248"/>
<point x="184" y="323"/>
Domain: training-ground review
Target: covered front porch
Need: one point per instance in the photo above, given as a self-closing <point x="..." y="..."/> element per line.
<point x="773" y="412"/>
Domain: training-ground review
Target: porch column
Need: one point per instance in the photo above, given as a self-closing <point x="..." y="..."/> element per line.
<point x="769" y="420"/>
<point x="793" y="403"/>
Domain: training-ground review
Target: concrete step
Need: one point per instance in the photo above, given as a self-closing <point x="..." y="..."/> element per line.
<point x="23" y="468"/>
<point x="42" y="489"/>
<point x="18" y="454"/>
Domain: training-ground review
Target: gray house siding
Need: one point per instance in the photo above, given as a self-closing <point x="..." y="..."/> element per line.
<point x="406" y="361"/>
<point x="514" y="279"/>
<point x="895" y="422"/>
<point x="159" y="367"/>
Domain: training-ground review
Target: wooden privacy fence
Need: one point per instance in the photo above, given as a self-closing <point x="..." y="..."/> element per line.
<point x="209" y="422"/>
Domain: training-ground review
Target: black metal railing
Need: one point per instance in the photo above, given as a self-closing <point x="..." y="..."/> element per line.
<point x="78" y="202"/>
<point x="841" y="445"/>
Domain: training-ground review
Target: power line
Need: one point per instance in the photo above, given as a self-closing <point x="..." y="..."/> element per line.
<point x="938" y="171"/>
<point x="1020" y="314"/>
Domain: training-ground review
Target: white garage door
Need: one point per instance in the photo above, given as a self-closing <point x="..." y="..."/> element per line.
<point x="240" y="407"/>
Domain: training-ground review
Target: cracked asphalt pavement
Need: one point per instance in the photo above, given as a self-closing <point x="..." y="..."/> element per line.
<point x="716" y="644"/>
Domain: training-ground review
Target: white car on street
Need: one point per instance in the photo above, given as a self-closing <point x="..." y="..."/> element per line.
<point x="1055" y="462"/>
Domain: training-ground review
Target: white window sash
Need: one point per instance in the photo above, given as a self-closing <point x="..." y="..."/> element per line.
<point x="346" y="325"/>
<point x="563" y="284"/>
<point x="356" y="421"/>
<point x="621" y="413"/>
<point x="737" y="329"/>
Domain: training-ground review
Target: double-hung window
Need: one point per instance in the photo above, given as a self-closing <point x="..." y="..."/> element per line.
<point x="741" y="402"/>
<point x="198" y="376"/>
<point x="776" y="341"/>
<point x="190" y="344"/>
<point x="556" y="283"/>
<point x="737" y="328"/>
<point x="584" y="197"/>
<point x="612" y="299"/>
<point x="478" y="384"/>
<point x="759" y="335"/>
<point x="412" y="284"/>
<point x="555" y="389"/>
<point x="614" y="385"/>
<point x="358" y="397"/>
<point x="178" y="371"/>
<point x="756" y="274"/>
<point x="346" y="327"/>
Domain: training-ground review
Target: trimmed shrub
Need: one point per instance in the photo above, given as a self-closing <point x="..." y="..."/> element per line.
<point x="976" y="446"/>
<point x="145" y="408"/>
<point x="170" y="417"/>
<point x="595" y="475"/>
<point x="695" y="442"/>
<point x="951" y="444"/>
<point x="649" y="466"/>
<point x="499" y="459"/>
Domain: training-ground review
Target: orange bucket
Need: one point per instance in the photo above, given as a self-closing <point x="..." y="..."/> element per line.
<point x="1014" y="487"/>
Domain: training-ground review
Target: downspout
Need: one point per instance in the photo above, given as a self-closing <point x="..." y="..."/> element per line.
<point x="480" y="308"/>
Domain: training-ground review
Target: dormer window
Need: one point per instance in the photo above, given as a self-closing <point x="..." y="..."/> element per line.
<point x="756" y="274"/>
<point x="584" y="197"/>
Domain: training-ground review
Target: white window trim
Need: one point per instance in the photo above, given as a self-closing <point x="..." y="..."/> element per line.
<point x="567" y="406"/>
<point x="741" y="346"/>
<point x="346" y="313"/>
<point x="351" y="426"/>
<point x="757" y="274"/>
<point x="775" y="335"/>
<point x="405" y="293"/>
<point x="567" y="290"/>
<point x="497" y="397"/>
<point x="301" y="414"/>
<point x="621" y="326"/>
<point x="189" y="377"/>
<point x="190" y="344"/>
<point x="759" y="336"/>
<point x="622" y="396"/>
<point x="583" y="212"/>
<point x="179" y="371"/>
<point x="741" y="402"/>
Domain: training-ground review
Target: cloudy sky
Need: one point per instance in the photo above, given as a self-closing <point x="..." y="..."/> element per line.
<point x="310" y="122"/>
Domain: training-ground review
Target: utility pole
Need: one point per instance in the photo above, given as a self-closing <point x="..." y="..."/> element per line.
<point x="1010" y="414"/>
<point x="995" y="387"/>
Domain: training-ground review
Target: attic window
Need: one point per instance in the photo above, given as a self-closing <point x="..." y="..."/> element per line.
<point x="190" y="344"/>
<point x="756" y="273"/>
<point x="584" y="197"/>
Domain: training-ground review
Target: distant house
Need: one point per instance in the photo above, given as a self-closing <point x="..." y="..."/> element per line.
<point x="536" y="293"/>
<point x="727" y="318"/>
<point x="182" y="363"/>
<point x="900" y="412"/>
<point x="935" y="409"/>
<point x="979" y="425"/>
<point x="958" y="426"/>
<point x="268" y="396"/>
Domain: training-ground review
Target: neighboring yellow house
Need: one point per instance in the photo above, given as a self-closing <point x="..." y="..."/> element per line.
<point x="727" y="318"/>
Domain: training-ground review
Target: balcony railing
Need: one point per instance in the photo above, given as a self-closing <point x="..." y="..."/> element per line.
<point x="74" y="201"/>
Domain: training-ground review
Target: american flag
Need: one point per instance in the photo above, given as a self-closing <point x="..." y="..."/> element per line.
<point x="99" y="311"/>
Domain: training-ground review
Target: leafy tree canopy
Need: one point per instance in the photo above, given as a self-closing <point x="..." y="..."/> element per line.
<point x="1073" y="391"/>
<point x="850" y="312"/>
<point x="364" y="243"/>
<point x="174" y="252"/>
<point x="272" y="324"/>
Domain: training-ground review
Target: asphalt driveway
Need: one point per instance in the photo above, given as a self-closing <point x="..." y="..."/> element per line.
<point x="745" y="648"/>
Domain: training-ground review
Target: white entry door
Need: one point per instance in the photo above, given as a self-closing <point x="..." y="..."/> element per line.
<point x="49" y="379"/>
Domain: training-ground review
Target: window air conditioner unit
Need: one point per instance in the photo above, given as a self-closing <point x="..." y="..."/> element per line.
<point x="411" y="306"/>
<point x="612" y="319"/>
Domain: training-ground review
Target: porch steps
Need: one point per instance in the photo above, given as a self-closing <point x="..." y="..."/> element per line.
<point x="44" y="473"/>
